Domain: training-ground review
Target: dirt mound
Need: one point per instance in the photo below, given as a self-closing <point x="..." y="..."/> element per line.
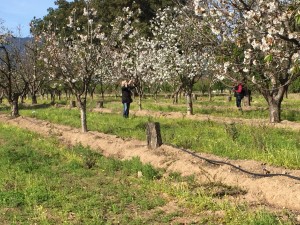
<point x="280" y="192"/>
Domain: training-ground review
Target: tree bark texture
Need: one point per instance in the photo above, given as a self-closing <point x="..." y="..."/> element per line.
<point x="189" y="103"/>
<point x="274" y="112"/>
<point x="274" y="100"/>
<point x="15" y="106"/>
<point x="33" y="99"/>
<point x="153" y="135"/>
<point x="83" y="117"/>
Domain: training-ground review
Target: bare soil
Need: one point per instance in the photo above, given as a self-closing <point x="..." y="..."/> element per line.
<point x="277" y="192"/>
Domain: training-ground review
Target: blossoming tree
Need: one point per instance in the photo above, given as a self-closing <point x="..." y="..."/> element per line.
<point x="184" y="46"/>
<point x="75" y="59"/>
<point x="258" y="42"/>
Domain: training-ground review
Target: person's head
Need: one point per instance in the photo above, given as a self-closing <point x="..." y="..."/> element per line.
<point x="124" y="83"/>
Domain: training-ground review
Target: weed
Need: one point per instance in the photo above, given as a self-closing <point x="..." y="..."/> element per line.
<point x="232" y="131"/>
<point x="259" y="137"/>
<point x="90" y="161"/>
<point x="220" y="190"/>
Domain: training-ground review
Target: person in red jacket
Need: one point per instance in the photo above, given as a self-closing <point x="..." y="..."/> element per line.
<point x="238" y="93"/>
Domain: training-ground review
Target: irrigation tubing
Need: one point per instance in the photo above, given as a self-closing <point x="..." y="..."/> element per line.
<point x="217" y="162"/>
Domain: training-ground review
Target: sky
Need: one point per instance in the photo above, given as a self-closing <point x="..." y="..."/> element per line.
<point x="19" y="13"/>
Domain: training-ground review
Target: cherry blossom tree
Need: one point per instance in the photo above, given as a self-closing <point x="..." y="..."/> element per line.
<point x="185" y="47"/>
<point x="76" y="58"/>
<point x="133" y="52"/>
<point x="258" y="42"/>
<point x="138" y="64"/>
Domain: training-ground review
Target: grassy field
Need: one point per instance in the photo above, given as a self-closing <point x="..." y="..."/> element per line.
<point x="218" y="106"/>
<point x="269" y="145"/>
<point x="44" y="182"/>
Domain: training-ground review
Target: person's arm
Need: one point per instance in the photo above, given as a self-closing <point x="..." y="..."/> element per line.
<point x="131" y="84"/>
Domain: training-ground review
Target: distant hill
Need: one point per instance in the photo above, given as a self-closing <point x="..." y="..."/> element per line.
<point x="18" y="42"/>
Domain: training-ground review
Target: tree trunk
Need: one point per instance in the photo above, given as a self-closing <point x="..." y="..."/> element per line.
<point x="274" y="111"/>
<point x="59" y="95"/>
<point x="140" y="102"/>
<point x="247" y="97"/>
<point x="274" y="99"/>
<point x="100" y="104"/>
<point x="23" y="98"/>
<point x="52" y="97"/>
<point x="82" y="105"/>
<point x="155" y="96"/>
<point x="175" y="98"/>
<point x="189" y="103"/>
<point x="209" y="94"/>
<point x="33" y="99"/>
<point x="72" y="104"/>
<point x="15" y="106"/>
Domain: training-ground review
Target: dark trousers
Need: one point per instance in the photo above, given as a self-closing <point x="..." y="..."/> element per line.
<point x="126" y="107"/>
<point x="238" y="99"/>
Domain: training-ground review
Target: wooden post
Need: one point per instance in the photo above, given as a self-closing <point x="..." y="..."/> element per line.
<point x="100" y="104"/>
<point x="153" y="135"/>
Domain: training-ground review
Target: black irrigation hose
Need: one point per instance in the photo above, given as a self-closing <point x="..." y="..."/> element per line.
<point x="237" y="167"/>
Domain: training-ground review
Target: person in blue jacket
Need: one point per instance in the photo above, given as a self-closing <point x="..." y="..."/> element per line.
<point x="126" y="96"/>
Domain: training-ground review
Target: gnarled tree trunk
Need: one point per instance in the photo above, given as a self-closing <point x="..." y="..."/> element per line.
<point x="274" y="111"/>
<point x="274" y="99"/>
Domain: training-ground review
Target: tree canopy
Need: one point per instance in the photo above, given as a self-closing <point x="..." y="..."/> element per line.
<point x="107" y="11"/>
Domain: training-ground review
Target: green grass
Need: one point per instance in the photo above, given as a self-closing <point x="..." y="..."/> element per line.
<point x="44" y="182"/>
<point x="218" y="106"/>
<point x="273" y="146"/>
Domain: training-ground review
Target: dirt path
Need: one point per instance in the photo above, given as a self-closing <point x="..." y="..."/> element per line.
<point x="277" y="192"/>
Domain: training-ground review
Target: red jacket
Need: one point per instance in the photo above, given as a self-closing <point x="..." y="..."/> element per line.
<point x="239" y="88"/>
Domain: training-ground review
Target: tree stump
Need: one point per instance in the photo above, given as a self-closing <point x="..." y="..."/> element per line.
<point x="153" y="135"/>
<point x="72" y="104"/>
<point x="100" y="104"/>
